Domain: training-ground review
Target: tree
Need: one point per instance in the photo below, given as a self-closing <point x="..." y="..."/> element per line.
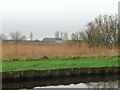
<point x="17" y="36"/>
<point x="119" y="32"/>
<point x="75" y="36"/>
<point x="2" y="36"/>
<point x="57" y="34"/>
<point x="104" y="30"/>
<point x="23" y="37"/>
<point x="61" y="35"/>
<point x="65" y="36"/>
<point x="31" y="36"/>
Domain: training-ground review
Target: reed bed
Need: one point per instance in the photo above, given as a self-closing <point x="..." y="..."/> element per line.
<point x="34" y="50"/>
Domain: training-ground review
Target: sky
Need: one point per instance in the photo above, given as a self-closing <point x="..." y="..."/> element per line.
<point x="44" y="17"/>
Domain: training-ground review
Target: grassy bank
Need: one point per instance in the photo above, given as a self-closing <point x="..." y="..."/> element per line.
<point x="58" y="63"/>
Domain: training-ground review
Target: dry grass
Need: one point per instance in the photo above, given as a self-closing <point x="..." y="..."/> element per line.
<point x="0" y="49"/>
<point x="29" y="50"/>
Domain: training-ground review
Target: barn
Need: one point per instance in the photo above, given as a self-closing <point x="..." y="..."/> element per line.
<point x="58" y="40"/>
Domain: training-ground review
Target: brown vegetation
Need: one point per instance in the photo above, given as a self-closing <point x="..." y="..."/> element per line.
<point x="30" y="50"/>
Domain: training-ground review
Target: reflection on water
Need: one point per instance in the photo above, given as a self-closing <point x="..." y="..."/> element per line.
<point x="103" y="81"/>
<point x="110" y="84"/>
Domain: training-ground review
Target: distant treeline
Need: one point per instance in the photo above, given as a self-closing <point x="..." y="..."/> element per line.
<point x="104" y="30"/>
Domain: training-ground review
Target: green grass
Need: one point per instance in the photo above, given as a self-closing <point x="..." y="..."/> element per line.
<point x="58" y="63"/>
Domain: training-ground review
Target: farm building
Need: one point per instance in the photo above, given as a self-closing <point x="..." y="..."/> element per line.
<point x="52" y="40"/>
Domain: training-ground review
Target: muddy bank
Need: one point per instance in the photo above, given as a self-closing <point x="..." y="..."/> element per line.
<point x="60" y="72"/>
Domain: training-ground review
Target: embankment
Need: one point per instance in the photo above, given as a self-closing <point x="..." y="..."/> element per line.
<point x="60" y="72"/>
<point x="42" y="82"/>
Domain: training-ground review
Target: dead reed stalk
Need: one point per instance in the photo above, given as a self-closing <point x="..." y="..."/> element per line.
<point x="30" y="50"/>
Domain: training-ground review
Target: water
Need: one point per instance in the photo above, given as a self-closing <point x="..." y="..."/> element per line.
<point x="111" y="81"/>
<point x="110" y="84"/>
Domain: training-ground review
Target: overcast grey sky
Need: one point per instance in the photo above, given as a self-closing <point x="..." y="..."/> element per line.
<point x="44" y="17"/>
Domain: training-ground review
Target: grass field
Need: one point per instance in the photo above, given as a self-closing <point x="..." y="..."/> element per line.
<point x="58" y="63"/>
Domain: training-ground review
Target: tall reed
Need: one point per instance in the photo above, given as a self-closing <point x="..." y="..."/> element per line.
<point x="30" y="50"/>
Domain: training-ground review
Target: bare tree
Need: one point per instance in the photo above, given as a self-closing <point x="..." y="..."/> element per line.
<point x="75" y="36"/>
<point x="104" y="30"/>
<point x="2" y="36"/>
<point x="31" y="36"/>
<point x="119" y="32"/>
<point x="57" y="34"/>
<point x="61" y="35"/>
<point x="65" y="36"/>
<point x="23" y="37"/>
<point x="17" y="36"/>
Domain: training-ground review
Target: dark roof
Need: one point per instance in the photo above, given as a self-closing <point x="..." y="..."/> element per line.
<point x="58" y="38"/>
<point x="51" y="39"/>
